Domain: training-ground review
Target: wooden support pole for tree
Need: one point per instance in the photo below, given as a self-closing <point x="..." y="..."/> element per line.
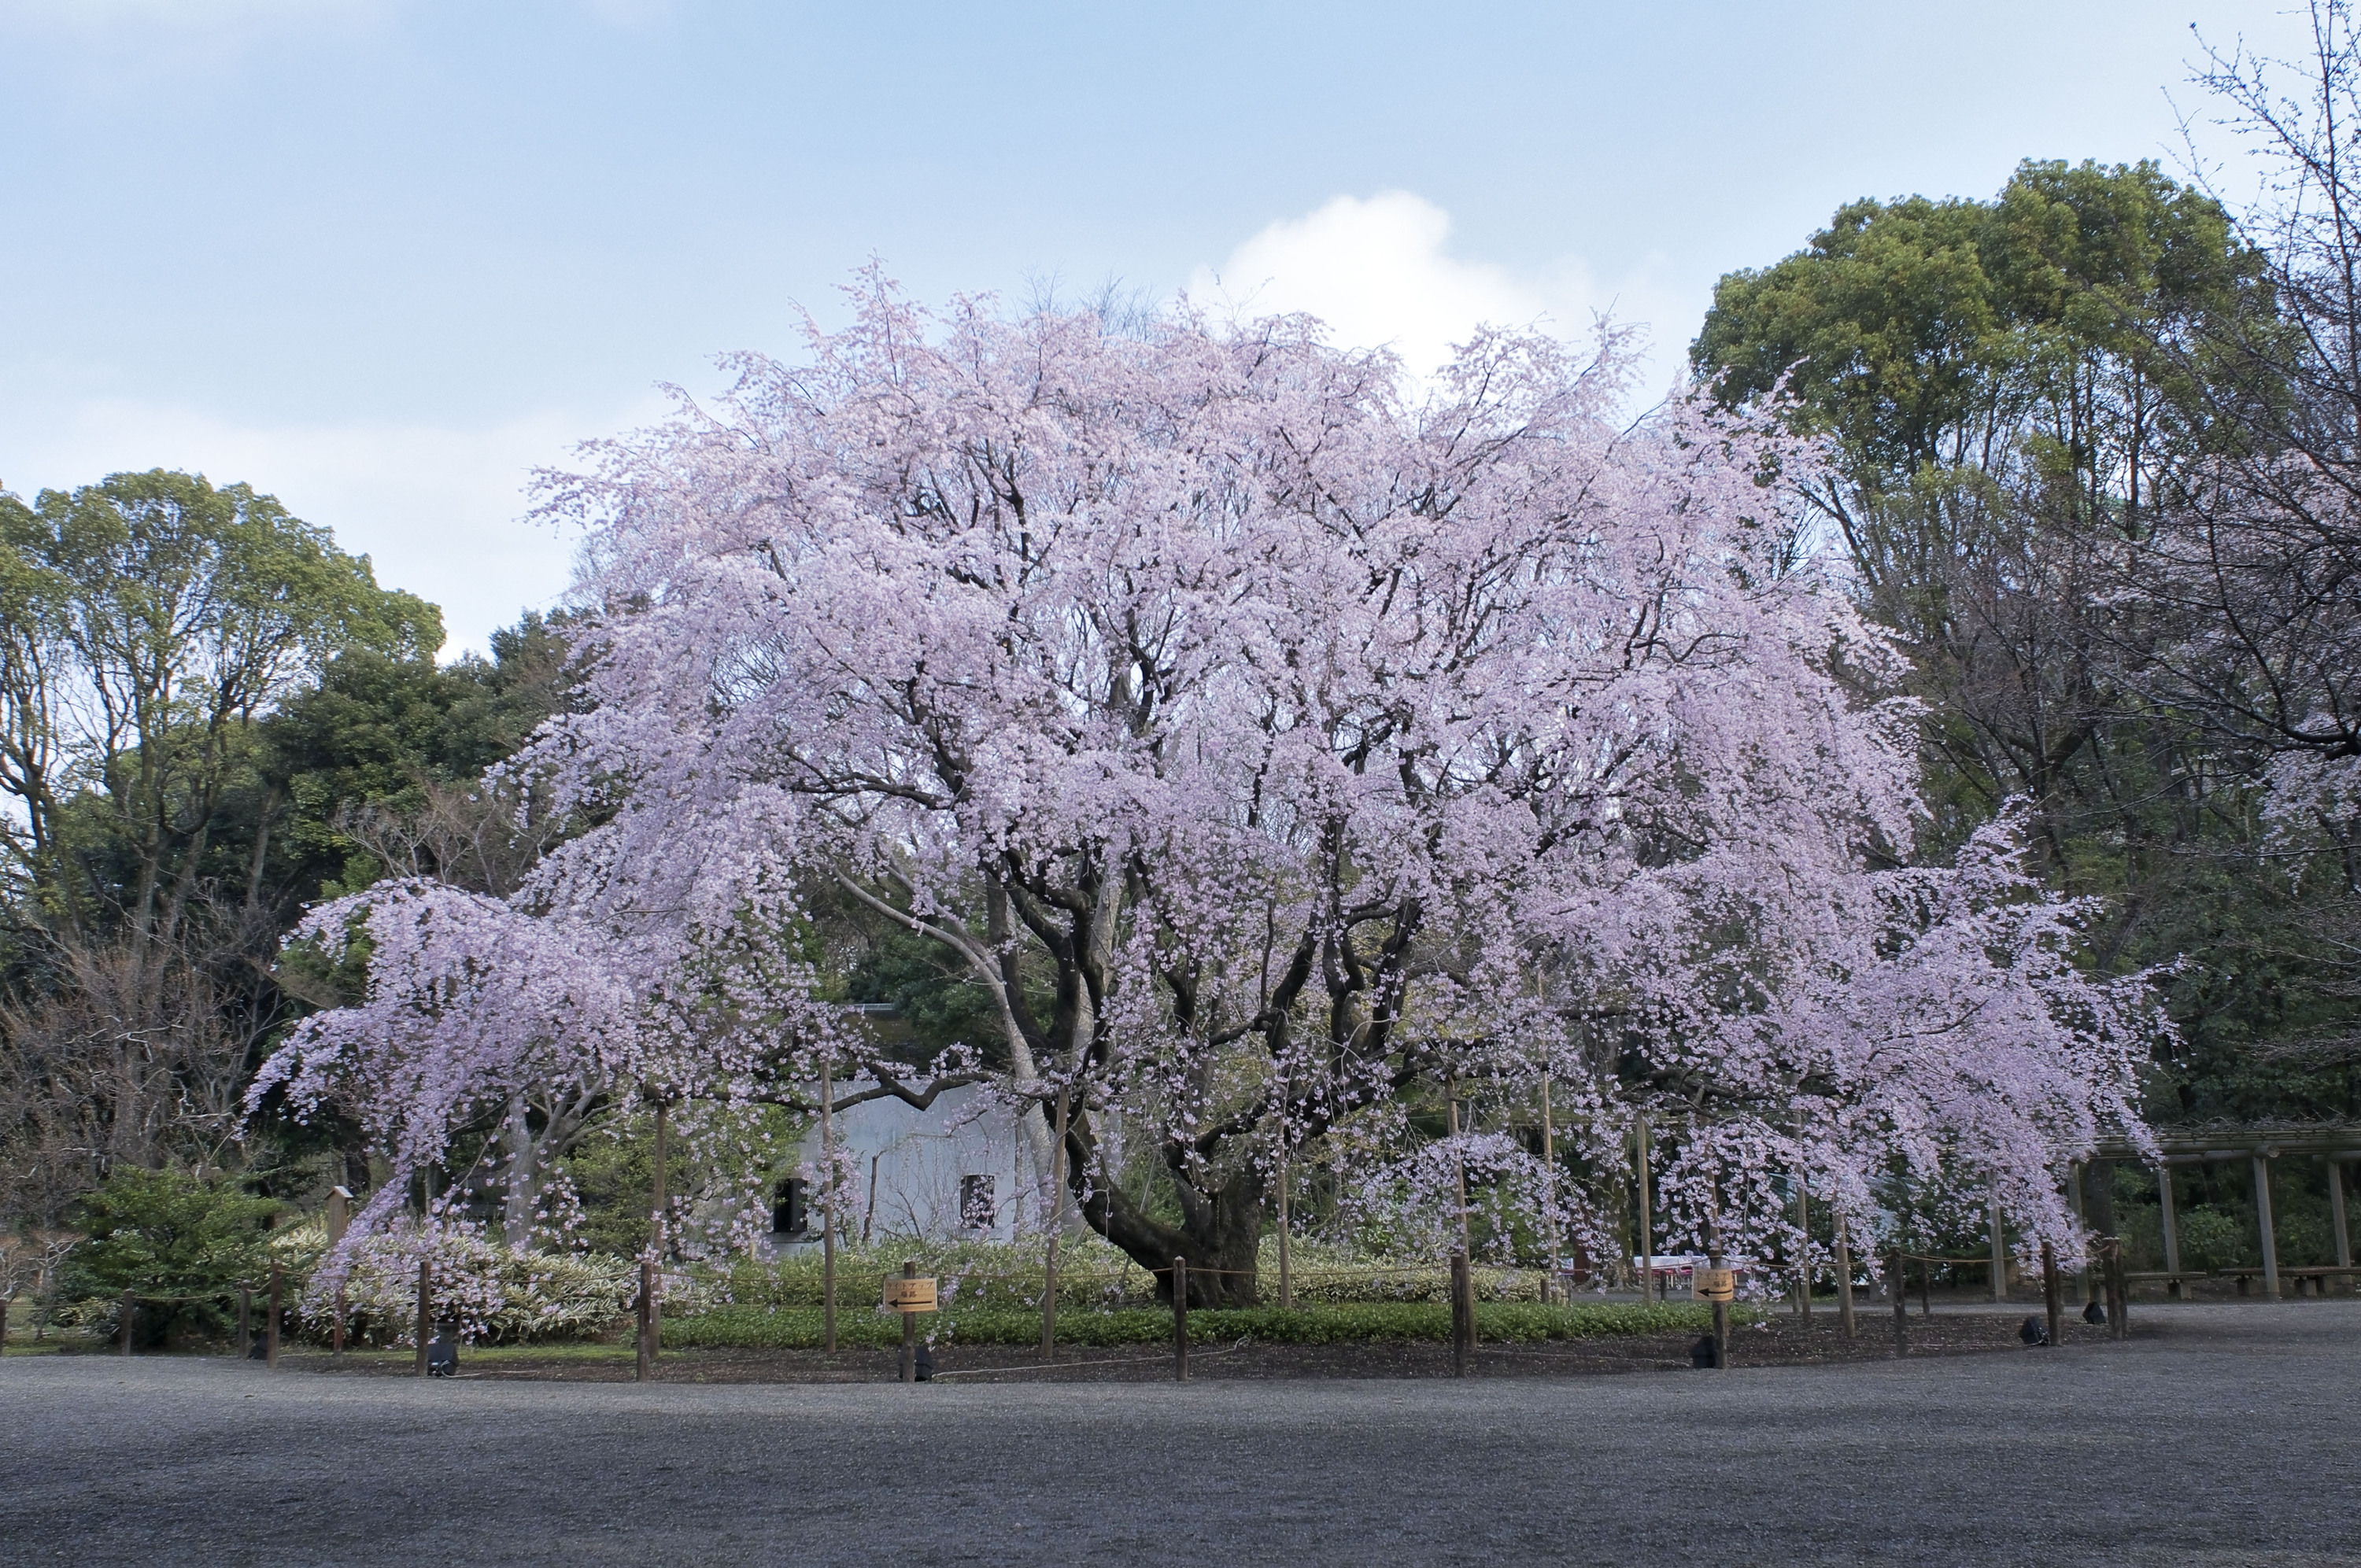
<point x="659" y="1236"/>
<point x="1804" y="1252"/>
<point x="1647" y="1228"/>
<point x="1844" y="1279"/>
<point x="1286" y="1264"/>
<point x="2052" y="1296"/>
<point x="1550" y="1240"/>
<point x="1049" y="1249"/>
<point x="245" y="1321"/>
<point x="1463" y="1313"/>
<point x="2337" y="1220"/>
<point x="909" y="1331"/>
<point x="425" y="1309"/>
<point x="826" y="1209"/>
<point x="1180" y="1320"/>
<point x="2263" y="1227"/>
<point x="1999" y="1256"/>
<point x="1451" y="1104"/>
<point x="129" y="1311"/>
<point x="644" y="1341"/>
<point x="1926" y="1287"/>
<point x="2172" y="1231"/>
<point x="271" y="1327"/>
<point x="1897" y="1288"/>
<point x="337" y="1334"/>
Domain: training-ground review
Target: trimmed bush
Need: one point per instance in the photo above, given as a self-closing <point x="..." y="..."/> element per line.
<point x="800" y="1328"/>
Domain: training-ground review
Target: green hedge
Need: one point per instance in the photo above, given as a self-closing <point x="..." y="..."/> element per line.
<point x="799" y="1328"/>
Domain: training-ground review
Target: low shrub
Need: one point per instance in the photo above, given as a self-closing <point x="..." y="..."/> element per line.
<point x="801" y="1328"/>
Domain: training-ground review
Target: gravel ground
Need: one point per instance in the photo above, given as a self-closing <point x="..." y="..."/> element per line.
<point x="2223" y="1434"/>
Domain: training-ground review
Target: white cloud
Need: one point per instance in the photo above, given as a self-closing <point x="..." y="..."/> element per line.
<point x="1379" y="272"/>
<point x="438" y="510"/>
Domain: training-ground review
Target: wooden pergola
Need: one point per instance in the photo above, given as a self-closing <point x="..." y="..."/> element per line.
<point x="2263" y="1145"/>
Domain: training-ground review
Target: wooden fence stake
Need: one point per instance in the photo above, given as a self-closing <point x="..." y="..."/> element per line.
<point x="425" y="1309"/>
<point x="1180" y="1320"/>
<point x="1844" y="1279"/>
<point x="270" y="1327"/>
<point x="647" y="1330"/>
<point x="245" y="1321"/>
<point x="130" y="1311"/>
<point x="909" y="1331"/>
<point x="2050" y="1299"/>
<point x="1926" y="1287"/>
<point x="2119" y="1295"/>
<point x="338" y="1345"/>
<point x="1463" y="1314"/>
<point x="1899" y="1288"/>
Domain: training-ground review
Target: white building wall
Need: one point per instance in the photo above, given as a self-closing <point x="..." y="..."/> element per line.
<point x="918" y="1159"/>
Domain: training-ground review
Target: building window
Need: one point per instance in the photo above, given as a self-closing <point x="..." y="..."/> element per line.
<point x="787" y="1216"/>
<point x="978" y="1207"/>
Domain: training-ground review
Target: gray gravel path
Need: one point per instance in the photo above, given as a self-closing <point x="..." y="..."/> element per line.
<point x="2225" y="1434"/>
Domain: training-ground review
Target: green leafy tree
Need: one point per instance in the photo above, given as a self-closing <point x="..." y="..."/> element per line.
<point x="183" y="1244"/>
<point x="2011" y="390"/>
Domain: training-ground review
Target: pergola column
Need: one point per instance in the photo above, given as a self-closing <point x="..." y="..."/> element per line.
<point x="2336" y="1216"/>
<point x="2263" y="1225"/>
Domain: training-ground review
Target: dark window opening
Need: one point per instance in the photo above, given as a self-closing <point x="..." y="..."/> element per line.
<point x="787" y="1216"/>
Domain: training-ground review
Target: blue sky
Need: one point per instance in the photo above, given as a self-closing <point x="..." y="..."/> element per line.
<point x="381" y="259"/>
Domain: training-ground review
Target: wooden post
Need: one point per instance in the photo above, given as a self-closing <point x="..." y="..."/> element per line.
<point x="128" y="1312"/>
<point x="644" y="1341"/>
<point x="1926" y="1287"/>
<point x="340" y="1213"/>
<point x="658" y="1234"/>
<point x="270" y="1327"/>
<point x="245" y="1321"/>
<point x="336" y="1342"/>
<point x="1549" y="1165"/>
<point x="2052" y="1294"/>
<point x="1647" y="1236"/>
<point x="1804" y="1252"/>
<point x="425" y="1309"/>
<point x="1463" y="1314"/>
<point x="2336" y="1222"/>
<point x="2119" y="1295"/>
<point x="1899" y="1288"/>
<point x="1180" y="1320"/>
<point x="2172" y="1231"/>
<point x="1049" y="1251"/>
<point x="827" y="1209"/>
<point x="1286" y="1269"/>
<point x="1999" y="1256"/>
<point x="1452" y="1104"/>
<point x="2263" y="1226"/>
<point x="1844" y="1279"/>
<point x="2074" y="1206"/>
<point x="909" y="1331"/>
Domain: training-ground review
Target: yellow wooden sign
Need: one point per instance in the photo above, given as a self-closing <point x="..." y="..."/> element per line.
<point x="1714" y="1284"/>
<point x="909" y="1295"/>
